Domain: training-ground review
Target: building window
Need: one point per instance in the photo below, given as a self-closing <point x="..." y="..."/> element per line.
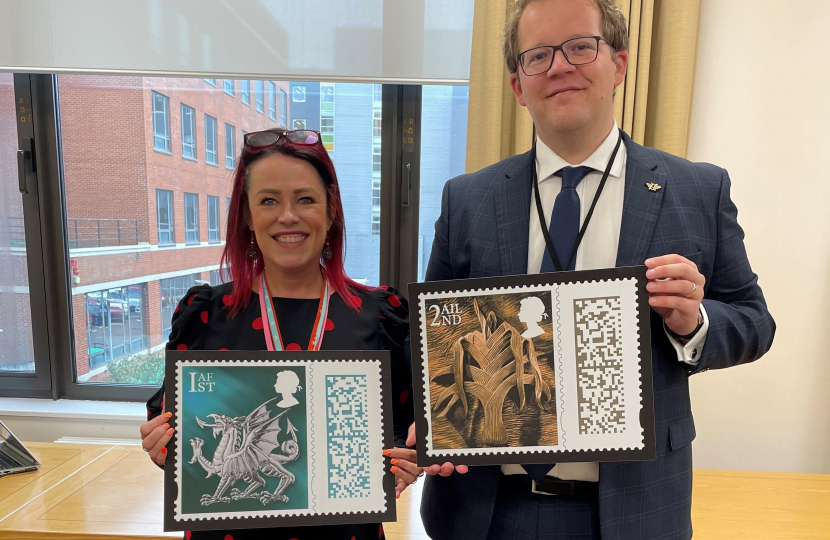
<point x="298" y="94"/>
<point x="191" y="218"/>
<point x="161" y="122"/>
<point x="227" y="86"/>
<point x="298" y="123"/>
<point x="188" y="132"/>
<point x="213" y="219"/>
<point x="375" y="222"/>
<point x="211" y="82"/>
<point x="376" y="159"/>
<point x="173" y="290"/>
<point x="377" y="92"/>
<point x="245" y="91"/>
<point x="210" y="140"/>
<point x="115" y="323"/>
<point x="272" y="97"/>
<point x="164" y="217"/>
<point x="258" y="95"/>
<point x="283" y="108"/>
<point x="327" y="116"/>
<point x="215" y="278"/>
<point x="376" y="123"/>
<point x="230" y="146"/>
<point x="376" y="192"/>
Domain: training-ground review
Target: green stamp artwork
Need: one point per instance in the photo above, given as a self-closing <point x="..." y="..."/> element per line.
<point x="244" y="439"/>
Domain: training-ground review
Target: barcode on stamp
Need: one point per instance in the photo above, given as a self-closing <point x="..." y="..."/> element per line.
<point x="347" y="436"/>
<point x="599" y="365"/>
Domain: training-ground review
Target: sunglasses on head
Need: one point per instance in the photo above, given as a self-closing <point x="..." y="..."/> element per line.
<point x="263" y="139"/>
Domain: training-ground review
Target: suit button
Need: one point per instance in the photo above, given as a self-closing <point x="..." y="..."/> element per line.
<point x="694" y="353"/>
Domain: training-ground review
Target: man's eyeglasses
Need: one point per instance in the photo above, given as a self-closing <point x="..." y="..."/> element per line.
<point x="577" y="51"/>
<point x="263" y="139"/>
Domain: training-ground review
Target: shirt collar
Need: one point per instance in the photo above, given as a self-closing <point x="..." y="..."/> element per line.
<point x="548" y="162"/>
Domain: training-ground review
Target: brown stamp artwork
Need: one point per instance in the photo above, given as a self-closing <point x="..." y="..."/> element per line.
<point x="491" y="376"/>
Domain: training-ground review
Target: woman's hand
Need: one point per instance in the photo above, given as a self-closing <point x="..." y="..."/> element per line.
<point x="155" y="434"/>
<point x="403" y="464"/>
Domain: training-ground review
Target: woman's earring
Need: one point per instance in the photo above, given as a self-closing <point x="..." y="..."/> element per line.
<point x="252" y="253"/>
<point x="327" y="253"/>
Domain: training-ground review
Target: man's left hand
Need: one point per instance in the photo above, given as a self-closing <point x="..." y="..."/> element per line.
<point x="675" y="288"/>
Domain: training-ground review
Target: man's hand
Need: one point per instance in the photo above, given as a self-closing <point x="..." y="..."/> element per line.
<point x="444" y="470"/>
<point x="675" y="291"/>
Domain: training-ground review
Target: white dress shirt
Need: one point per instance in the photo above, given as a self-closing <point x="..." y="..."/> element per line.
<point x="597" y="250"/>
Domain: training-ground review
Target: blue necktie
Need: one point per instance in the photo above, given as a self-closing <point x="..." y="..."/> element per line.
<point x="564" y="220"/>
<point x="564" y="228"/>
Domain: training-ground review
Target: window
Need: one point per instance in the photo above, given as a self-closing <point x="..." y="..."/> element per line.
<point x="164" y="217"/>
<point x="213" y="218"/>
<point x="171" y="291"/>
<point x="245" y="91"/>
<point x="161" y="122"/>
<point x="272" y="97"/>
<point x="215" y="278"/>
<point x="298" y="94"/>
<point x="376" y="124"/>
<point x="227" y="86"/>
<point x="115" y="324"/>
<point x="376" y="192"/>
<point x="191" y="218"/>
<point x="258" y="95"/>
<point x="377" y="92"/>
<point x="210" y="140"/>
<point x="211" y="82"/>
<point x="327" y="116"/>
<point x="376" y="223"/>
<point x="299" y="123"/>
<point x="188" y="132"/>
<point x="283" y="107"/>
<point x="230" y="146"/>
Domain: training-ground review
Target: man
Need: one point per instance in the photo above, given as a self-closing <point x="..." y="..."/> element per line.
<point x="565" y="59"/>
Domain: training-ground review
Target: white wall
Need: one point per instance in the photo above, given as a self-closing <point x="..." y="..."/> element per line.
<point x="762" y="111"/>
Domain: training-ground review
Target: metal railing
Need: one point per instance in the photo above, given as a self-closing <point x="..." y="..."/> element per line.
<point x="86" y="232"/>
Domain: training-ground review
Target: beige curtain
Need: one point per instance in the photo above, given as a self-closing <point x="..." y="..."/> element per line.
<point x="653" y="105"/>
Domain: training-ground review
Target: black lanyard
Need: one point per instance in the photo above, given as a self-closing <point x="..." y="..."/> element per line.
<point x="541" y="214"/>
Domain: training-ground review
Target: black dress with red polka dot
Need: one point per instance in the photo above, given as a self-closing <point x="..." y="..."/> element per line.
<point x="200" y="322"/>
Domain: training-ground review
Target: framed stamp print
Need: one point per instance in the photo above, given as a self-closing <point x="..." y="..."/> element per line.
<point x="270" y="439"/>
<point x="540" y="368"/>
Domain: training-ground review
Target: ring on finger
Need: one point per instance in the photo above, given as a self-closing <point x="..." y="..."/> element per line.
<point x="693" y="291"/>
<point x="145" y="449"/>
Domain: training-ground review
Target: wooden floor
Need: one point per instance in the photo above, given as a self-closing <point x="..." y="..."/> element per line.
<point x="115" y="492"/>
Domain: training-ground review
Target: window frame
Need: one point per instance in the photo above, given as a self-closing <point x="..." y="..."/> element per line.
<point x="213" y="214"/>
<point x="172" y="221"/>
<point x="230" y="157"/>
<point x="272" y="100"/>
<point x="245" y="92"/>
<point x="225" y="85"/>
<point x="167" y="148"/>
<point x="184" y="108"/>
<point x="258" y="98"/>
<point x="194" y="229"/>
<point x="211" y="156"/>
<point x="211" y="82"/>
<point x="283" y="108"/>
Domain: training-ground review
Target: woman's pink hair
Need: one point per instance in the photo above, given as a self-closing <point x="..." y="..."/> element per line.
<point x="236" y="265"/>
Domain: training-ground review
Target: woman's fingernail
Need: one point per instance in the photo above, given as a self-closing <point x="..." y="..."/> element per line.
<point x="166" y="426"/>
<point x="395" y="470"/>
<point x="168" y="415"/>
<point x="394" y="462"/>
<point x="163" y="450"/>
<point x="154" y="459"/>
<point x="171" y="431"/>
<point x="397" y="495"/>
<point x="387" y="452"/>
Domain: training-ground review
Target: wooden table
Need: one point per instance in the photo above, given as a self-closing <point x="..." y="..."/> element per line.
<point x="114" y="492"/>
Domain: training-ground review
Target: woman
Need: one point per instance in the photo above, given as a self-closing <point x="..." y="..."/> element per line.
<point x="285" y="241"/>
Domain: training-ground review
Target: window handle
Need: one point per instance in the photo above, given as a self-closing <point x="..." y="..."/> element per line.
<point x="406" y="176"/>
<point x="25" y="163"/>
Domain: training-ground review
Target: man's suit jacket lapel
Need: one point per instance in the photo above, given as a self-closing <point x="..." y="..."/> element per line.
<point x="640" y="204"/>
<point x="512" y="201"/>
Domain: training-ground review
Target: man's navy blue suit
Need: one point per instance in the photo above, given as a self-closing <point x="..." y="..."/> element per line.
<point x="483" y="231"/>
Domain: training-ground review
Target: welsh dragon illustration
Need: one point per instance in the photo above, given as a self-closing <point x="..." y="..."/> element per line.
<point x="244" y="451"/>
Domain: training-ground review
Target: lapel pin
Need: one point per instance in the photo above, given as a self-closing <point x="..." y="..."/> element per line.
<point x="653" y="187"/>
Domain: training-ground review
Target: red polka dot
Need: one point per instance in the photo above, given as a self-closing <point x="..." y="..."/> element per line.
<point x="223" y="349"/>
<point x="181" y="347"/>
<point x="293" y="347"/>
<point x="385" y="288"/>
<point x="354" y="537"/>
<point x="404" y="396"/>
<point x="228" y="537"/>
<point x="357" y="301"/>
<point x="394" y="301"/>
<point x="257" y="323"/>
<point x="187" y="535"/>
<point x="329" y="325"/>
<point x="189" y="300"/>
<point x="205" y="317"/>
<point x="177" y="309"/>
<point x="227" y="300"/>
<point x="380" y="532"/>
